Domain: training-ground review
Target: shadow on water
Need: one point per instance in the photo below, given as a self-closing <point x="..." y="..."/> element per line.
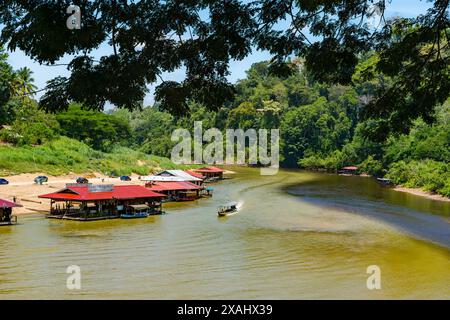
<point x="424" y="218"/>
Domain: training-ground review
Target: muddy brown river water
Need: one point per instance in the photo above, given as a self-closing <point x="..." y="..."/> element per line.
<point x="297" y="235"/>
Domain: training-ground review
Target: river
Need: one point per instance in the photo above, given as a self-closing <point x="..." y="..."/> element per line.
<point x="297" y="235"/>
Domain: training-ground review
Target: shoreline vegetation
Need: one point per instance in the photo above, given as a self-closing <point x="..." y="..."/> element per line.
<point x="22" y="188"/>
<point x="421" y="192"/>
<point x="321" y="127"/>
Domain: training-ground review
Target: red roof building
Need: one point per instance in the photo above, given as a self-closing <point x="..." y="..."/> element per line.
<point x="8" y="204"/>
<point x="6" y="211"/>
<point x="84" y="193"/>
<point x="176" y="190"/>
<point x="211" y="172"/>
<point x="195" y="174"/>
<point x="351" y="168"/>
<point x="101" y="201"/>
<point x="210" y="169"/>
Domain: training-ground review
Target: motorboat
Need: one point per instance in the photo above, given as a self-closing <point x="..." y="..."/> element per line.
<point x="227" y="209"/>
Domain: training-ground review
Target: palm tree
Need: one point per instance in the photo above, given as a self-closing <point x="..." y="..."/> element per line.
<point x="22" y="83"/>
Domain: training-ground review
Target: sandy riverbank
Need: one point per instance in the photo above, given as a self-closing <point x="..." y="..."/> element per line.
<point x="22" y="188"/>
<point x="422" y="193"/>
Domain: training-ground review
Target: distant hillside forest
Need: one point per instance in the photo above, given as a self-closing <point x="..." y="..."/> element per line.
<point x="320" y="127"/>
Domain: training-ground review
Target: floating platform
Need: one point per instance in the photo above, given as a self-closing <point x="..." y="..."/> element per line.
<point x="9" y="223"/>
<point x="61" y="217"/>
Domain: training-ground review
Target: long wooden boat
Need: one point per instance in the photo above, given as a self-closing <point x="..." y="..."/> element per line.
<point x="136" y="215"/>
<point x="227" y="209"/>
<point x="8" y="223"/>
<point x="385" y="181"/>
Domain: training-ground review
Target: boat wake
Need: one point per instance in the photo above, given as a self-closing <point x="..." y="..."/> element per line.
<point x="240" y="205"/>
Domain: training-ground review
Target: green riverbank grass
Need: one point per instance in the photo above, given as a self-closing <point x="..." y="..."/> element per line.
<point x="66" y="155"/>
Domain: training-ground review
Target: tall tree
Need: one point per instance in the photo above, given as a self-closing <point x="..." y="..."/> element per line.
<point x="22" y="84"/>
<point x="97" y="129"/>
<point x="6" y="74"/>
<point x="148" y="38"/>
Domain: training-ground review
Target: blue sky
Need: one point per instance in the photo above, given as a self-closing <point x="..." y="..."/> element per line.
<point x="404" y="8"/>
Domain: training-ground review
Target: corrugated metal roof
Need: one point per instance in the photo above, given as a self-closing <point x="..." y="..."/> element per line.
<point x="183" y="174"/>
<point x="350" y="168"/>
<point x="171" y="175"/>
<point x="210" y="169"/>
<point x="118" y="192"/>
<point x="169" y="186"/>
<point x="8" y="204"/>
<point x="195" y="174"/>
<point x="162" y="178"/>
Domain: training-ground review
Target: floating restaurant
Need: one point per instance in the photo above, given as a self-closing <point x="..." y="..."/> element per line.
<point x="86" y="202"/>
<point x="175" y="176"/>
<point x="195" y="174"/>
<point x="349" y="170"/>
<point x="210" y="173"/>
<point x="6" y="217"/>
<point x="176" y="190"/>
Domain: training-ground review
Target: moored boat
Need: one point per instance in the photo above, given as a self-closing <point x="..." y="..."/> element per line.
<point x="135" y="215"/>
<point x="385" y="181"/>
